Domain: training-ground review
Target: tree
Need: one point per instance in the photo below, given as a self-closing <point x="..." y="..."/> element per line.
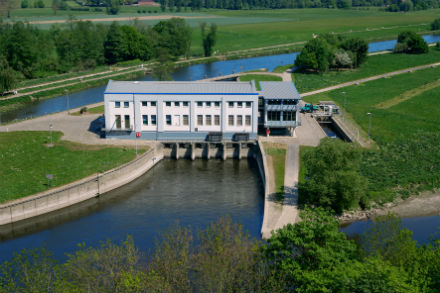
<point x="333" y="179"/>
<point x="162" y="68"/>
<point x="7" y="76"/>
<point x="113" y="6"/>
<point x="302" y="253"/>
<point x="113" y="44"/>
<point x="359" y="48"/>
<point x="174" y="35"/>
<point x="435" y="25"/>
<point x="208" y="39"/>
<point x="314" y="56"/>
<point x="411" y="43"/>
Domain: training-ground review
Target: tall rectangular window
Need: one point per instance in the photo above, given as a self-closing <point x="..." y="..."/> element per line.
<point x="231" y="120"/>
<point x="177" y="104"/>
<point x="126" y="104"/>
<point x="145" y="119"/>
<point x="208" y="104"/>
<point x="153" y="120"/>
<point x="117" y="104"/>
<point x="217" y="120"/>
<point x="208" y="120"/>
<point x="217" y="104"/>
<point x="248" y="120"/>
<point x="168" y="119"/>
<point x="199" y="119"/>
<point x="144" y="103"/>
<point x="127" y="121"/>
<point x="185" y="119"/>
<point x="199" y="104"/>
<point x="239" y="120"/>
<point x="248" y="104"/>
<point x="118" y="121"/>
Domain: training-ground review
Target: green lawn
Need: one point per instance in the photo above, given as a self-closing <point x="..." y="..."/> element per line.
<point x="94" y="110"/>
<point x="375" y="65"/>
<point x="278" y="156"/>
<point x="258" y="78"/>
<point x="25" y="160"/>
<point x="407" y="131"/>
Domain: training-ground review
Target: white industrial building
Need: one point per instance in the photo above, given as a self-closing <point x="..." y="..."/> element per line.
<point x="181" y="110"/>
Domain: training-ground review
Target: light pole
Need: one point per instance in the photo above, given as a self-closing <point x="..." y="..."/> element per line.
<point x="68" y="102"/>
<point x="369" y="124"/>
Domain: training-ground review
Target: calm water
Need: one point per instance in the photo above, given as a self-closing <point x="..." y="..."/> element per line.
<point x="187" y="73"/>
<point x="193" y="193"/>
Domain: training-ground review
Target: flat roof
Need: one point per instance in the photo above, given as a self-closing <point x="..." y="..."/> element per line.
<point x="279" y="90"/>
<point x="181" y="87"/>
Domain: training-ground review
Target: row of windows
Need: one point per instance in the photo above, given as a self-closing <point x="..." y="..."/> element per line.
<point x="152" y="121"/>
<point x="238" y="120"/>
<point x="118" y="121"/>
<point x="185" y="104"/>
<point x="276" y="116"/>
<point x="208" y="120"/>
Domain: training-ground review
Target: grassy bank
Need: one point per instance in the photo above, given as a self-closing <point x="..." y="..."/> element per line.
<point x="377" y="64"/>
<point x="277" y="155"/>
<point x="26" y="159"/>
<point x="258" y="78"/>
<point x="405" y="123"/>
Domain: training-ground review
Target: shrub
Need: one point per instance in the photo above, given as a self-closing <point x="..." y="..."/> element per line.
<point x="411" y="43"/>
<point x="83" y="110"/>
<point x="435" y="25"/>
<point x="24" y="4"/>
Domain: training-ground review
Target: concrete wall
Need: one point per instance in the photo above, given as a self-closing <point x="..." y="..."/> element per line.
<point x="260" y="157"/>
<point x="79" y="191"/>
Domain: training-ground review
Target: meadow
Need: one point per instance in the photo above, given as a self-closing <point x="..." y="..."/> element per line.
<point x="26" y="159"/>
<point x="405" y="123"/>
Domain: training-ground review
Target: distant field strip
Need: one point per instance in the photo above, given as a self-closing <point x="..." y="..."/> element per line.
<point x="155" y="17"/>
<point x="408" y="95"/>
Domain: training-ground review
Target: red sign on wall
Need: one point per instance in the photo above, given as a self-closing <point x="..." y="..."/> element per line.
<point x="138" y="134"/>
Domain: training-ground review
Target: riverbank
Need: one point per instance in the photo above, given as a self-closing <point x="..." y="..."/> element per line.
<point x="425" y="204"/>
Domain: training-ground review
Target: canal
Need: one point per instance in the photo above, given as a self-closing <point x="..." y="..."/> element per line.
<point x="188" y="192"/>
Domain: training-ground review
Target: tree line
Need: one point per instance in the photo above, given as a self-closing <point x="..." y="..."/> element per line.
<point x="402" y="5"/>
<point x="27" y="52"/>
<point x="310" y="256"/>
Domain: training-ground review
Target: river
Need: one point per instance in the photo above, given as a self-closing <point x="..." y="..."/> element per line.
<point x="186" y="73"/>
<point x="190" y="192"/>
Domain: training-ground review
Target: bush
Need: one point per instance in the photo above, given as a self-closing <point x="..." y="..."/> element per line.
<point x="411" y="43"/>
<point x="40" y="4"/>
<point x="435" y="25"/>
<point x="83" y="110"/>
<point x="24" y="4"/>
<point x="437" y="45"/>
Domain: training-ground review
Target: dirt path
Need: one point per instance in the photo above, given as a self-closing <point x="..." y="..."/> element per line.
<point x="106" y="19"/>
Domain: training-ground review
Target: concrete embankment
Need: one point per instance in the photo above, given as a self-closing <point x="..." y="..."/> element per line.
<point x="79" y="191"/>
<point x="260" y="157"/>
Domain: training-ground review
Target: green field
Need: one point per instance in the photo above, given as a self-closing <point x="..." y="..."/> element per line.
<point x="377" y="64"/>
<point x="258" y="78"/>
<point x="405" y="122"/>
<point x="25" y="160"/>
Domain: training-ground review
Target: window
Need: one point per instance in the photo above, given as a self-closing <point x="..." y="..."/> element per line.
<point x="199" y="104"/>
<point x="117" y="104"/>
<point x="144" y="103"/>
<point x="168" y="104"/>
<point x="118" y="121"/>
<point x="177" y="104"/>
<point x="216" y="119"/>
<point x="185" y="104"/>
<point x="208" y="104"/>
<point x="176" y="120"/>
<point x="274" y="102"/>
<point x="125" y="104"/>
<point x="273" y="116"/>
<point x="239" y="120"/>
<point x="168" y="118"/>
<point x="208" y="120"/>
<point x="199" y="119"/>
<point x="145" y="119"/>
<point x="153" y="119"/>
<point x="153" y="104"/>
<point x="248" y="104"/>
<point x="240" y="104"/>
<point x="127" y="121"/>
<point x="231" y="104"/>
<point x="289" y="116"/>
<point x="217" y="104"/>
<point x="248" y="120"/>
<point x="231" y="120"/>
<point x="185" y="119"/>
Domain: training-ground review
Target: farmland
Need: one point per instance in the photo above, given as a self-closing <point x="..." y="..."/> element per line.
<point x="405" y="124"/>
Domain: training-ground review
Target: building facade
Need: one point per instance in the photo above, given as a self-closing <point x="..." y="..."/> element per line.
<point x="181" y="110"/>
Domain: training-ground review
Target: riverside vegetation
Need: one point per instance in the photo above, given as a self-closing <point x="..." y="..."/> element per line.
<point x="310" y="256"/>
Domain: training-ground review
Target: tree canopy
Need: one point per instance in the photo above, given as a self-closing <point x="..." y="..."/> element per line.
<point x="411" y="43"/>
